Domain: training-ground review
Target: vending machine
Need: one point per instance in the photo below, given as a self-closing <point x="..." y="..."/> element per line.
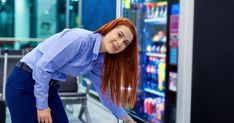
<point x="151" y="20"/>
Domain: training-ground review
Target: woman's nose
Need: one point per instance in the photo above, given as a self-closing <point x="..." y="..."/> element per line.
<point x="119" y="42"/>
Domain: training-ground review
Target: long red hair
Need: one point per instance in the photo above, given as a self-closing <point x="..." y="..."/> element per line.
<point x="120" y="73"/>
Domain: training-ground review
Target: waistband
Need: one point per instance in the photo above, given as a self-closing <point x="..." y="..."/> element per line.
<point x="24" y="66"/>
<point x="28" y="69"/>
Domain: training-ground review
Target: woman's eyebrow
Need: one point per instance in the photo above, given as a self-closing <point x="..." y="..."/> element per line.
<point x="124" y="36"/>
<point x="122" y="33"/>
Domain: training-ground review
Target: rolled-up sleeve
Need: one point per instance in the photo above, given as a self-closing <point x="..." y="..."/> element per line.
<point x="58" y="54"/>
<point x="118" y="111"/>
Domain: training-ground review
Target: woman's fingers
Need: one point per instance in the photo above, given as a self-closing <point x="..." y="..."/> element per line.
<point x="50" y="120"/>
<point x="45" y="120"/>
<point x="41" y="120"/>
<point x="44" y="115"/>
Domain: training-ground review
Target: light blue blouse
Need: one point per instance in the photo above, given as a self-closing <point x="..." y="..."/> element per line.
<point x="72" y="52"/>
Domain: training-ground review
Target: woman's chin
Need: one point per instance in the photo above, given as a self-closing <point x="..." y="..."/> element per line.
<point x="111" y="52"/>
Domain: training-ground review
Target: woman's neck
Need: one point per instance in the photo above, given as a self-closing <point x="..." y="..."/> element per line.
<point x="102" y="48"/>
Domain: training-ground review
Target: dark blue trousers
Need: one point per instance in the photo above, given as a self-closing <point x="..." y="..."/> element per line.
<point x="22" y="103"/>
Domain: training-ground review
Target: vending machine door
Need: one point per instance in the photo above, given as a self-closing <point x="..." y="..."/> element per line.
<point x="150" y="18"/>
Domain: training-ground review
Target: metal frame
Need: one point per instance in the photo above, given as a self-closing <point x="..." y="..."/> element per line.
<point x="7" y="56"/>
<point x="80" y="13"/>
<point x="67" y="14"/>
<point x="67" y="25"/>
<point x="118" y="8"/>
<point x="183" y="108"/>
<point x="4" y="75"/>
<point x="78" y="98"/>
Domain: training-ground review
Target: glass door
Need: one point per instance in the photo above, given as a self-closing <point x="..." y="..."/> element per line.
<point x="73" y="13"/>
<point x="150" y="18"/>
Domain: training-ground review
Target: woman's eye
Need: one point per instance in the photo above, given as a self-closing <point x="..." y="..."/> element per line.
<point x="125" y="43"/>
<point x="119" y="35"/>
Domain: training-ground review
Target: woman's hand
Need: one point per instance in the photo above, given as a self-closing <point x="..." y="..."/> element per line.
<point x="128" y="119"/>
<point x="132" y="121"/>
<point x="44" y="116"/>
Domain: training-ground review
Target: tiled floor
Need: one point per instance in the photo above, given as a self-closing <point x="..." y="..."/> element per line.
<point x="98" y="113"/>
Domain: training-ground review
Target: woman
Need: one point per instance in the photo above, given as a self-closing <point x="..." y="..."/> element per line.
<point x="108" y="57"/>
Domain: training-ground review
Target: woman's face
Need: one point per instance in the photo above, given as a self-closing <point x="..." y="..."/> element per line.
<point x="116" y="40"/>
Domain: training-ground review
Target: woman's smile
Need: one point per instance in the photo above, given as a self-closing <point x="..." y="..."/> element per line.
<point x="115" y="46"/>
